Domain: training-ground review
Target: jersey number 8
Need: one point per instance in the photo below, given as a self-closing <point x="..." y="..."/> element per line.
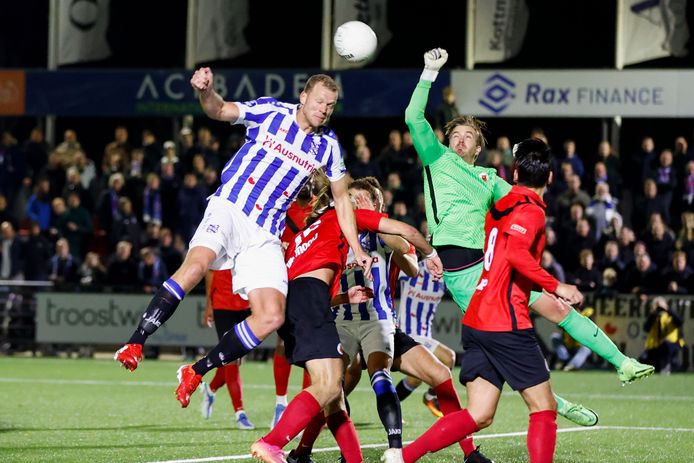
<point x="489" y="253"/>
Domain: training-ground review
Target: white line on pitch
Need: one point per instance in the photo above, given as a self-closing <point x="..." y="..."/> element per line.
<point x="480" y="436"/>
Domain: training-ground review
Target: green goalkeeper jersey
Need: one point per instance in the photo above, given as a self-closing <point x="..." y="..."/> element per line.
<point x="457" y="194"/>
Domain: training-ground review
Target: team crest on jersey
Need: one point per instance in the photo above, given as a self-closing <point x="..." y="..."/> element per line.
<point x="212" y="228"/>
<point x="484" y="177"/>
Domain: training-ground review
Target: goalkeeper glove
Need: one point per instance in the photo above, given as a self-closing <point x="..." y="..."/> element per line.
<point x="433" y="61"/>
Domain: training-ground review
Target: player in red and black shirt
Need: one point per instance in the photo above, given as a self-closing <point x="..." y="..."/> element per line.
<point x="498" y="336"/>
<point x="315" y="261"/>
<point x="224" y="309"/>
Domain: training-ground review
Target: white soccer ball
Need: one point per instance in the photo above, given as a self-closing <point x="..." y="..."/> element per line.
<point x="355" y="41"/>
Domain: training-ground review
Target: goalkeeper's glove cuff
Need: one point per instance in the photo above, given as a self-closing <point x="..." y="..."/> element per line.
<point x="429" y="74"/>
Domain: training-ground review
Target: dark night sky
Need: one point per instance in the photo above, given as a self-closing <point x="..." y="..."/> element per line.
<point x="151" y="33"/>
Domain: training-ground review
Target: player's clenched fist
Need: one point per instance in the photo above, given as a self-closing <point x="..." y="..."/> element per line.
<point x="435" y="59"/>
<point x="202" y="79"/>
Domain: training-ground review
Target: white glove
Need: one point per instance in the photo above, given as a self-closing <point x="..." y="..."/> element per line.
<point x="433" y="61"/>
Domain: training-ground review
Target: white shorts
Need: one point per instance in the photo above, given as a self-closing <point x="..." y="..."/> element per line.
<point x="428" y="342"/>
<point x="254" y="254"/>
<point x="369" y="335"/>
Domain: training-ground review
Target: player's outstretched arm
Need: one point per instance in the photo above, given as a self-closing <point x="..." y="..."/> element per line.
<point x="409" y="233"/>
<point x="212" y="103"/>
<point x="423" y="137"/>
<point x="406" y="261"/>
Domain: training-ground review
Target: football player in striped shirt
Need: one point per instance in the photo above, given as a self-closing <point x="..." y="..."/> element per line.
<point x="245" y="217"/>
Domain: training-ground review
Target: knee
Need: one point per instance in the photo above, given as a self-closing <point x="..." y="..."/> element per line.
<point x="439" y="374"/>
<point x="450" y="359"/>
<point x="483" y="419"/>
<point x="270" y="313"/>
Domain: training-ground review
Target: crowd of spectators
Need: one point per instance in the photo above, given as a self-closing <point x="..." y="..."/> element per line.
<point x="123" y="219"/>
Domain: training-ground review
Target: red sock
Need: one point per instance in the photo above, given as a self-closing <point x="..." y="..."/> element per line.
<point x="311" y="433"/>
<point x="448" y="397"/>
<point x="295" y="418"/>
<point x="233" y="380"/>
<point x="446" y="431"/>
<point x="342" y="427"/>
<point x="450" y="403"/>
<point x="218" y="380"/>
<point x="542" y="436"/>
<point x="307" y="380"/>
<point x="282" y="369"/>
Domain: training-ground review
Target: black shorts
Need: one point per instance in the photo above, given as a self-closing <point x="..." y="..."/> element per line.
<point x="309" y="331"/>
<point x="513" y="357"/>
<point x="403" y="343"/>
<point x="224" y="320"/>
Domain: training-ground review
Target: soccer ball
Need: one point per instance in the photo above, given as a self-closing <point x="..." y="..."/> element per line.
<point x="355" y="41"/>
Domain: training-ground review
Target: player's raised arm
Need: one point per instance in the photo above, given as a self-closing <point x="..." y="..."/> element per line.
<point x="409" y="233"/>
<point x="212" y="103"/>
<point x="425" y="142"/>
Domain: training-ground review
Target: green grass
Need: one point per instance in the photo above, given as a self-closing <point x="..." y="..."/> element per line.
<point x="59" y="410"/>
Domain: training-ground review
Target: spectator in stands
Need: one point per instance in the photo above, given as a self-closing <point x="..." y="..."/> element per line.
<point x="55" y="173"/>
<point x="74" y="185"/>
<point x="685" y="236"/>
<point x="601" y="209"/>
<point x="582" y="238"/>
<point x="126" y="227"/>
<point x="651" y="203"/>
<point x="170" y="155"/>
<point x="210" y="181"/>
<point x="553" y="267"/>
<point x="67" y="149"/>
<point x="11" y="258"/>
<point x="611" y="258"/>
<point x="587" y="277"/>
<point x="642" y="278"/>
<point x="570" y="354"/>
<point x="114" y="162"/>
<point x="642" y="159"/>
<point x="151" y="149"/>
<point x="665" y="177"/>
<point x="358" y="141"/>
<point x="122" y="270"/>
<point x="78" y="225"/>
<point x="169" y="254"/>
<point x="120" y="144"/>
<point x="660" y="243"/>
<point x="37" y="254"/>
<point x="678" y="278"/>
<point x="664" y="339"/>
<point x="151" y="271"/>
<point x="503" y="144"/>
<point x="395" y="187"/>
<point x="363" y="165"/>
<point x="688" y="187"/>
<point x="35" y="151"/>
<point x="87" y="171"/>
<point x="151" y="199"/>
<point x="107" y="208"/>
<point x="92" y="272"/>
<point x="572" y="157"/>
<point x="626" y="241"/>
<point x="573" y="194"/>
<point x="446" y="111"/>
<point x="390" y="158"/>
<point x="137" y="167"/>
<point x="608" y="156"/>
<point x="610" y="284"/>
<point x="191" y="206"/>
<point x="152" y="234"/>
<point x="401" y="213"/>
<point x="495" y="160"/>
<point x="5" y="213"/>
<point x="38" y="206"/>
<point x="199" y="166"/>
<point x="187" y="141"/>
<point x="561" y="179"/>
<point x="169" y="194"/>
<point x="64" y="266"/>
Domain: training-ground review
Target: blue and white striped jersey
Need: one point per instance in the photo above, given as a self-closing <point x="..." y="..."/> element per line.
<point x="380" y="307"/>
<point x="419" y="298"/>
<point x="267" y="172"/>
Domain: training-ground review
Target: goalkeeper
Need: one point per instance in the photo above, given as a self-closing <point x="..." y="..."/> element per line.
<point x="458" y="195"/>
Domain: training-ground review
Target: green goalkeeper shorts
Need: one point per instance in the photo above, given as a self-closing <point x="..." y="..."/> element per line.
<point x="462" y="285"/>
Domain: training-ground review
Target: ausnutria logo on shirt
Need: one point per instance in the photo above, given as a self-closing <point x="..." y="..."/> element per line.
<point x="277" y="146"/>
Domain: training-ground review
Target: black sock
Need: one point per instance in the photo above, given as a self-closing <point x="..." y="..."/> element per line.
<point x="235" y="343"/>
<point x="403" y="390"/>
<point x="388" y="407"/>
<point x="160" y="309"/>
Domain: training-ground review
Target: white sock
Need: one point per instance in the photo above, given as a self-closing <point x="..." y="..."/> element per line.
<point x="281" y="400"/>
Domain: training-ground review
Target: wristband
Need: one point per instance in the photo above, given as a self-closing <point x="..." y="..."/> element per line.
<point x="431" y="255"/>
<point x="429" y="74"/>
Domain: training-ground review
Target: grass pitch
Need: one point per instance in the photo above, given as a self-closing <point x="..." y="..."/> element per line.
<point x="62" y="410"/>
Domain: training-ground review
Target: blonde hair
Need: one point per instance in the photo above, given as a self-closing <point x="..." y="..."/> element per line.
<point x="470" y="121"/>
